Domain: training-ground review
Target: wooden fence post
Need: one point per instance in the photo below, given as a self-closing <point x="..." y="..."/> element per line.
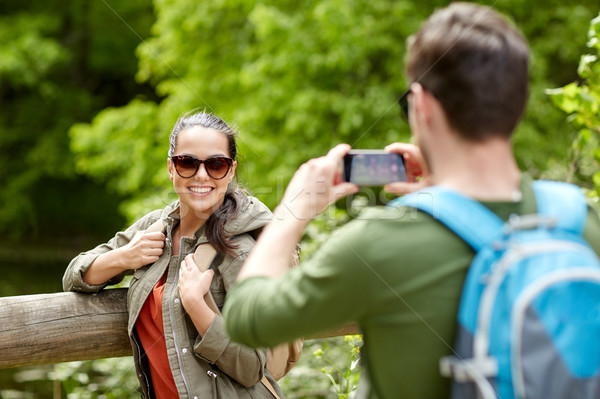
<point x="61" y="327"/>
<point x="69" y="326"/>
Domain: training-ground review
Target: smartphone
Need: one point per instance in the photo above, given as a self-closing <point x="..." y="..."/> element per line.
<point x="373" y="167"/>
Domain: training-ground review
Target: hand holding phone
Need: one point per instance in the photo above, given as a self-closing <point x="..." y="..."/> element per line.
<point x="417" y="171"/>
<point x="373" y="167"/>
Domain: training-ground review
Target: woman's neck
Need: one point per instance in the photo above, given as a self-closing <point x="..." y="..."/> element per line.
<point x="188" y="226"/>
<point x="185" y="228"/>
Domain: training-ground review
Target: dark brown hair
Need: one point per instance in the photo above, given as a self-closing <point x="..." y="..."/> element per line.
<point x="234" y="196"/>
<point x="476" y="64"/>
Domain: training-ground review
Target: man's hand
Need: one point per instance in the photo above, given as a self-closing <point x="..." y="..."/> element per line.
<point x="316" y="185"/>
<point x="417" y="172"/>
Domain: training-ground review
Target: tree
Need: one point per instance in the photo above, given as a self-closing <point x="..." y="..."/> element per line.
<point x="297" y="78"/>
<point x="581" y="101"/>
<point x="57" y="67"/>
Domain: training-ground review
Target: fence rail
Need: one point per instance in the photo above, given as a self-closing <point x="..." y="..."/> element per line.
<point x="68" y="326"/>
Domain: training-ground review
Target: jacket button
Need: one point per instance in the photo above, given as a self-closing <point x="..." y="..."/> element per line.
<point x="184" y="350"/>
<point x="176" y="300"/>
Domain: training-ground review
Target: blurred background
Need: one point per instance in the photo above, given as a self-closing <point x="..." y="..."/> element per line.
<point x="89" y="91"/>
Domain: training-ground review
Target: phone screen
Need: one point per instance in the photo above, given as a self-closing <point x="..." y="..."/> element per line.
<point x="373" y="167"/>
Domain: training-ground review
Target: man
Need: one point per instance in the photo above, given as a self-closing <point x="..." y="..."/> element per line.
<point x="396" y="272"/>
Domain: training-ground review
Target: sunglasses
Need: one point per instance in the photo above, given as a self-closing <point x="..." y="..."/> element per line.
<point x="403" y="103"/>
<point x="187" y="166"/>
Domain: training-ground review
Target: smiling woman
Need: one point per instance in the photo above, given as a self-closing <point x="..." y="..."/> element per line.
<point x="201" y="166"/>
<point x="180" y="345"/>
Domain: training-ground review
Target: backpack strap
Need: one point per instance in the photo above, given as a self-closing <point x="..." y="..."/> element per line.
<point x="204" y="255"/>
<point x="467" y="218"/>
<point x="477" y="225"/>
<point x="562" y="201"/>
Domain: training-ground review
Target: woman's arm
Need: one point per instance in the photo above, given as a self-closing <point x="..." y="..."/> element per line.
<point x="244" y="364"/>
<point x="143" y="249"/>
<point x="106" y="260"/>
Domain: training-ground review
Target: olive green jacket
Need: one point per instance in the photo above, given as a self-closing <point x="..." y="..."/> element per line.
<point x="211" y="366"/>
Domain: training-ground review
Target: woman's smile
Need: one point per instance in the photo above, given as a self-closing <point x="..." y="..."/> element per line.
<point x="201" y="190"/>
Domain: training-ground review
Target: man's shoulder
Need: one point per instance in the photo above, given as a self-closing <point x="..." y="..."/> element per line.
<point x="398" y="227"/>
<point x="401" y="214"/>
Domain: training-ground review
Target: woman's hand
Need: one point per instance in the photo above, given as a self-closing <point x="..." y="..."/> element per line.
<point x="193" y="284"/>
<point x="417" y="172"/>
<point x="145" y="248"/>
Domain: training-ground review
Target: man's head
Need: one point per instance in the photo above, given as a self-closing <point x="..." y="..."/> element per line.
<point x="475" y="63"/>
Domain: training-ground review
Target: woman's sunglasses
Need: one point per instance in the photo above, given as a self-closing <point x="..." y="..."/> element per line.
<point x="187" y="166"/>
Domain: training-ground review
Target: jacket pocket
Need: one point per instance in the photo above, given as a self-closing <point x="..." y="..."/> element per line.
<point x="225" y="387"/>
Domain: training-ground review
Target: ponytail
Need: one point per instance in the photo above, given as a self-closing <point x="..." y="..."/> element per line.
<point x="215" y="225"/>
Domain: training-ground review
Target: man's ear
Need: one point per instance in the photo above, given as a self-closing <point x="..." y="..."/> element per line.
<point x="428" y="106"/>
<point x="420" y="102"/>
<point x="170" y="168"/>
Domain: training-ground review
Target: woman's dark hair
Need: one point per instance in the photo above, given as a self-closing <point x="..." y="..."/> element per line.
<point x="234" y="197"/>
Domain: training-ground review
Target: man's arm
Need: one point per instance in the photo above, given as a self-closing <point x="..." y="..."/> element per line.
<point x="316" y="185"/>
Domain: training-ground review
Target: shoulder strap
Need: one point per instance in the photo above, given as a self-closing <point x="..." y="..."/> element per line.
<point x="268" y="385"/>
<point x="467" y="218"/>
<point x="203" y="257"/>
<point x="563" y="201"/>
<point x="159" y="225"/>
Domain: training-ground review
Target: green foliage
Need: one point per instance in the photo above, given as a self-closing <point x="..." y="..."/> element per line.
<point x="328" y="369"/>
<point x="555" y="31"/>
<point x="344" y="379"/>
<point x="297" y="78"/>
<point x="112" y="378"/>
<point x="28" y="55"/>
<point x="57" y="67"/>
<point x="124" y="152"/>
<point x="80" y="136"/>
<point x="581" y="101"/>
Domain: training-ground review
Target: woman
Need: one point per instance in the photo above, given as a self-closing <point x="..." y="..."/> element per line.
<point x="180" y="345"/>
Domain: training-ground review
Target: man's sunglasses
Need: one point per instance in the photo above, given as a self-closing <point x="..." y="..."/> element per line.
<point x="403" y="103"/>
<point x="187" y="166"/>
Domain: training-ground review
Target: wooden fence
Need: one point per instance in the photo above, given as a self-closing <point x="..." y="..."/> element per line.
<point x="68" y="326"/>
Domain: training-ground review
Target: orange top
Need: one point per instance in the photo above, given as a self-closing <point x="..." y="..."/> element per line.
<point x="149" y="326"/>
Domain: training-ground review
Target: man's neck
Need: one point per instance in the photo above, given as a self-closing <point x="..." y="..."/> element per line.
<point x="484" y="171"/>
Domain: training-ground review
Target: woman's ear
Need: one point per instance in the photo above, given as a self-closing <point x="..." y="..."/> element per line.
<point x="170" y="168"/>
<point x="232" y="172"/>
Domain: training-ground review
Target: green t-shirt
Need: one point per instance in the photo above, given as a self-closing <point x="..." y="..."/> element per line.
<point x="398" y="273"/>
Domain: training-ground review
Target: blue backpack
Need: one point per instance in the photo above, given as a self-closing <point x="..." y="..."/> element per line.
<point x="529" y="316"/>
